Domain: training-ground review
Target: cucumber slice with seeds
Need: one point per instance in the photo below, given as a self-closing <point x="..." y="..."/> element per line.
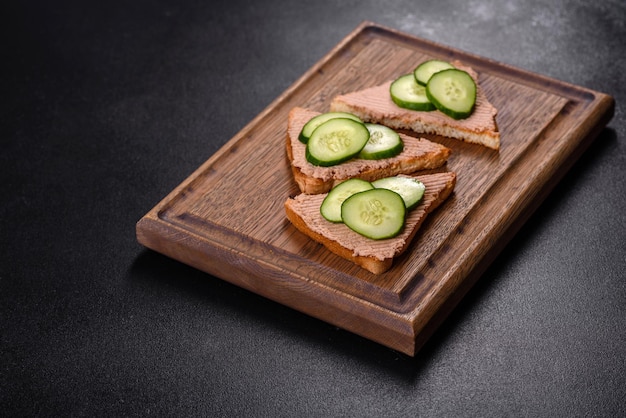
<point x="406" y="93"/>
<point x="375" y="214"/>
<point x="410" y="189"/>
<point x="331" y="205"/>
<point x="453" y="92"/>
<point x="425" y="70"/>
<point x="316" y="121"/>
<point x="335" y="141"/>
<point x="384" y="142"/>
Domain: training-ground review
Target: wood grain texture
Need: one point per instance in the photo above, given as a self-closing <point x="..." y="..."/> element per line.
<point x="245" y="238"/>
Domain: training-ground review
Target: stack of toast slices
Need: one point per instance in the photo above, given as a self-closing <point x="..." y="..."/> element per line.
<point x="374" y="105"/>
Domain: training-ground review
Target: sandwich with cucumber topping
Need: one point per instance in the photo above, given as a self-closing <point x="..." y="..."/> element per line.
<point x="370" y="223"/>
<point x="438" y="97"/>
<point x="325" y="149"/>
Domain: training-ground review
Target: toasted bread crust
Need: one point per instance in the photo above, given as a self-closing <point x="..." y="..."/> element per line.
<point x="374" y="256"/>
<point x="375" y="105"/>
<point x="419" y="154"/>
<point x="371" y="264"/>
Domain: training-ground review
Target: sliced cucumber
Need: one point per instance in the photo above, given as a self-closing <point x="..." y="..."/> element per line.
<point x="316" y="121"/>
<point x="331" y="205"/>
<point x="453" y="92"/>
<point x="410" y="189"/>
<point x="335" y="141"/>
<point x="375" y="214"/>
<point x="425" y="70"/>
<point x="406" y="93"/>
<point x="384" y="142"/>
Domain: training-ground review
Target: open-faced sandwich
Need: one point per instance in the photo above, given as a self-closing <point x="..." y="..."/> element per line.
<point x="439" y="97"/>
<point x="325" y="149"/>
<point x="362" y="195"/>
<point x="370" y="223"/>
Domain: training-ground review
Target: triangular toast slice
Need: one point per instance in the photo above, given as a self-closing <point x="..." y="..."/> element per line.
<point x="374" y="255"/>
<point x="418" y="154"/>
<point x="374" y="105"/>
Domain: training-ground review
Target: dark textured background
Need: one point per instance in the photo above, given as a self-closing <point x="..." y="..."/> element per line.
<point x="107" y="106"/>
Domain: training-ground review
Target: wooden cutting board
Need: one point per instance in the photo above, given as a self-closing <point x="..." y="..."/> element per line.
<point x="228" y="220"/>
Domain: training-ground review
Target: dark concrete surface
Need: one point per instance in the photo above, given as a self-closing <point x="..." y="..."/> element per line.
<point x="107" y="106"/>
